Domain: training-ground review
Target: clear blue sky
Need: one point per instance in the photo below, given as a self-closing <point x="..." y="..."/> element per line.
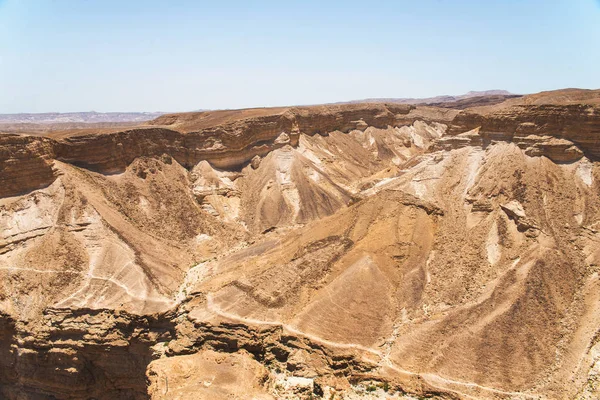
<point x="76" y="55"/>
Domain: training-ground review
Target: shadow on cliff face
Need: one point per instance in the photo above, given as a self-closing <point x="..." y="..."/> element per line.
<point x="7" y="361"/>
<point x="82" y="354"/>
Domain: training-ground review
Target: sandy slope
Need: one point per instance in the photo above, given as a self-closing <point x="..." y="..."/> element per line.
<point x="440" y="259"/>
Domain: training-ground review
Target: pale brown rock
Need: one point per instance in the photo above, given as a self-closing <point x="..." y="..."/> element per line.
<point x="349" y="250"/>
<point x="255" y="162"/>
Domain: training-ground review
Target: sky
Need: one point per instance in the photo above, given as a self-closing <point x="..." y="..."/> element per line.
<point x="107" y="55"/>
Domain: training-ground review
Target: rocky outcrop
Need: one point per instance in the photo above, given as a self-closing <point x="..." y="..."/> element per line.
<point x="323" y="119"/>
<point x="7" y="333"/>
<point x="106" y="354"/>
<point x="302" y="252"/>
<point x="76" y="354"/>
<point x="25" y="163"/>
<point x="563" y="133"/>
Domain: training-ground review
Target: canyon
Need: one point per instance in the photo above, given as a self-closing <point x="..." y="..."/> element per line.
<point x="345" y="251"/>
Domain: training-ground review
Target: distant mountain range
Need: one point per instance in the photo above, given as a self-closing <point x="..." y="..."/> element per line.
<point x="469" y="99"/>
<point x="78" y="117"/>
<point x="437" y="99"/>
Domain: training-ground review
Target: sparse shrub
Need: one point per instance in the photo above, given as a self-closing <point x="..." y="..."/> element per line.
<point x="371" y="388"/>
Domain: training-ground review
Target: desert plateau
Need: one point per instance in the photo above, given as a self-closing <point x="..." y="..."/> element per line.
<point x="439" y="249"/>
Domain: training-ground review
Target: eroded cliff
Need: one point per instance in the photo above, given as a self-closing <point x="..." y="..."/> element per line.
<point x="346" y="251"/>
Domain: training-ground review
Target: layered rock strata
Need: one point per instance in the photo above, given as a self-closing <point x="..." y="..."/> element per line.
<point x="314" y="252"/>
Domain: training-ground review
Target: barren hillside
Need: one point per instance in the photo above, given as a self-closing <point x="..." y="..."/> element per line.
<point x="349" y="251"/>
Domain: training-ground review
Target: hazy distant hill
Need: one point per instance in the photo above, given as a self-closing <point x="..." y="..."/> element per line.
<point x="498" y="94"/>
<point x="81" y="117"/>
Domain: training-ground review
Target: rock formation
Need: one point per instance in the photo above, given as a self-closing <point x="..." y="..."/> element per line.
<point x="343" y="251"/>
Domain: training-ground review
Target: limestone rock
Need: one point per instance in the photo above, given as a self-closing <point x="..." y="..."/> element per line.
<point x="353" y="250"/>
<point x="255" y="163"/>
<point x="283" y="138"/>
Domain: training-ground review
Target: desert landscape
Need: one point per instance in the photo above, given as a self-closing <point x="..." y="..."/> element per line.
<point x="445" y="248"/>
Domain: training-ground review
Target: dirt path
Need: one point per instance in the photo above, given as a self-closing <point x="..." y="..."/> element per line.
<point x="434" y="380"/>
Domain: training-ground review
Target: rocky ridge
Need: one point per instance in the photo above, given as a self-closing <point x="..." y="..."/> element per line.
<point x="346" y="251"/>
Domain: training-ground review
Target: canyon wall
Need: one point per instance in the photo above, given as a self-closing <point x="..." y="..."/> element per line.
<point x="563" y="133"/>
<point x="25" y="162"/>
<point x="432" y="252"/>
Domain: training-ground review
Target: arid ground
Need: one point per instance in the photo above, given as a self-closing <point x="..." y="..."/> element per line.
<point x="352" y="251"/>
